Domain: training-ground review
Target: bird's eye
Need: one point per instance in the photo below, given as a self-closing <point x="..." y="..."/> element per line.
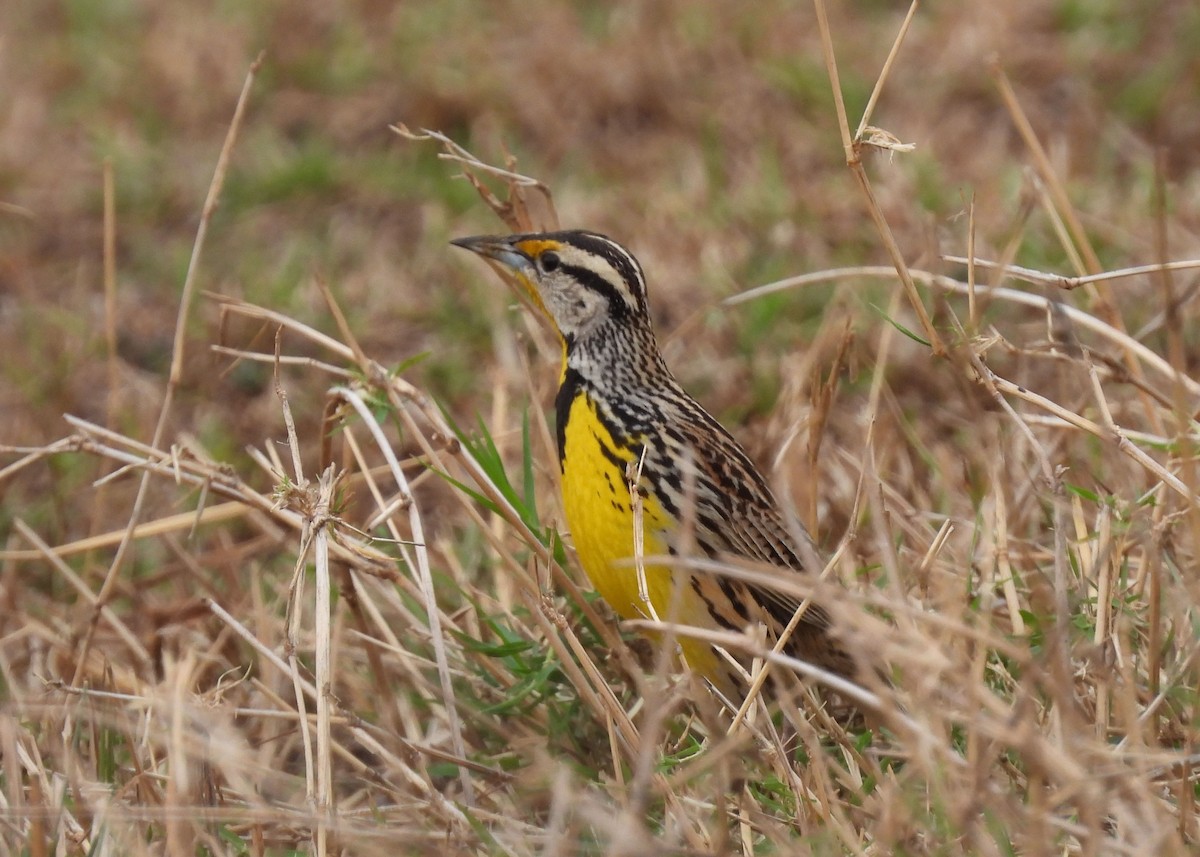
<point x="549" y="262"/>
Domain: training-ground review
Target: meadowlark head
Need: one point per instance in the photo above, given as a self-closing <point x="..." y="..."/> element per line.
<point x="587" y="285"/>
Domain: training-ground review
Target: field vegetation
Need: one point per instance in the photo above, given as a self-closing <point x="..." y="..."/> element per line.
<point x="282" y="563"/>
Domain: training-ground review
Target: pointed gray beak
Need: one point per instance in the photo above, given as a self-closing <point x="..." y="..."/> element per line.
<point x="496" y="248"/>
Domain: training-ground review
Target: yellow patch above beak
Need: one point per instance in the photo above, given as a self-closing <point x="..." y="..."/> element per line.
<point x="515" y="260"/>
<point x="534" y="247"/>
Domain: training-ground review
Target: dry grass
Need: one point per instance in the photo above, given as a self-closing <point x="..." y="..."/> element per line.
<point x="320" y="608"/>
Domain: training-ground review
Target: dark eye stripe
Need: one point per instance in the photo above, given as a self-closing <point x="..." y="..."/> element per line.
<point x="617" y="256"/>
<point x="589" y="279"/>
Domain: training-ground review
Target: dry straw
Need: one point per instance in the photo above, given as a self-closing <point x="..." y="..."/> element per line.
<point x="386" y="653"/>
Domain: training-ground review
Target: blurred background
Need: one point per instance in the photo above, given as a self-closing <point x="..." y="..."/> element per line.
<point x="701" y="134"/>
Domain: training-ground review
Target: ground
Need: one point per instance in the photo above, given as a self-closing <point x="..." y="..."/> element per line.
<point x="1009" y="493"/>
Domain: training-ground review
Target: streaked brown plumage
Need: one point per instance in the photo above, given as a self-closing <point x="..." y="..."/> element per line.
<point x="619" y="408"/>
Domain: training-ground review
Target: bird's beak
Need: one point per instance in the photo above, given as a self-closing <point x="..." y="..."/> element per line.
<point x="514" y="264"/>
<point x="500" y="250"/>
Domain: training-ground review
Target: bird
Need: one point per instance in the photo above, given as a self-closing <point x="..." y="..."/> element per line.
<point x="641" y="460"/>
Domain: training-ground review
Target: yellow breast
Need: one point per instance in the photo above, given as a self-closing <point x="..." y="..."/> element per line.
<point x="599" y="510"/>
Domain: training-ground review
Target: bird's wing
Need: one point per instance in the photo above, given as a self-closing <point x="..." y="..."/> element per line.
<point x="736" y="513"/>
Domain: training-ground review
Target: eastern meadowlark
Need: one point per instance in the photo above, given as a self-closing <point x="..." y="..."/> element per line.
<point x="622" y="419"/>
